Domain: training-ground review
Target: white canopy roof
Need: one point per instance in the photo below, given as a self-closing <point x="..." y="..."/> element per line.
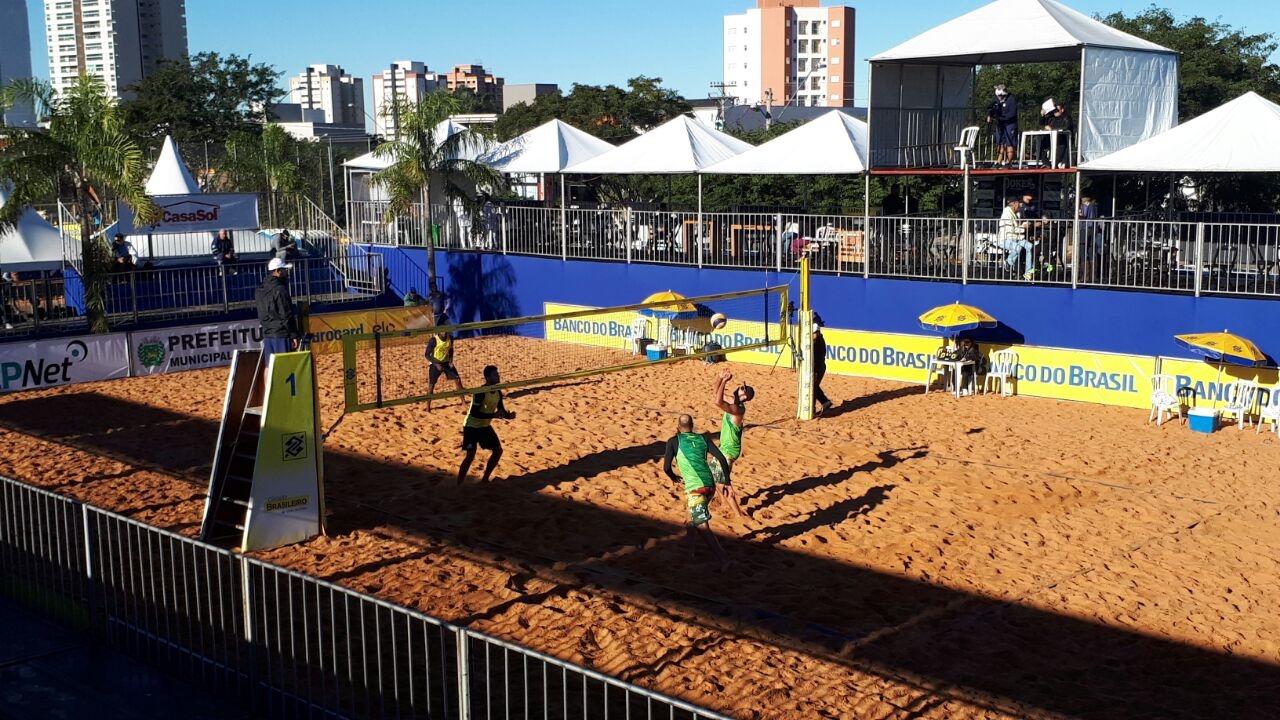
<point x="170" y="176"/>
<point x="1010" y="31"/>
<point x="548" y="148"/>
<point x="1239" y="136"/>
<point x="446" y="129"/>
<point x="33" y="245"/>
<point x="680" y="145"/>
<point x="833" y="144"/>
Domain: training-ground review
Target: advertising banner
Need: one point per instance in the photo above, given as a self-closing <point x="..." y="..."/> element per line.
<point x="1204" y="385"/>
<point x="325" y="332"/>
<point x="285" y="503"/>
<point x="614" y="331"/>
<point x="207" y="212"/>
<point x="192" y="347"/>
<point x="49" y="363"/>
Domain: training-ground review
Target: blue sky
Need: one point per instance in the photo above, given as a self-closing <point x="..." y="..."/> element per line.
<point x="564" y="41"/>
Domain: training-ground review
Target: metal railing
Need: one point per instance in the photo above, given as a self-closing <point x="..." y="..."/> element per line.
<point x="281" y="643"/>
<point x="1138" y="254"/>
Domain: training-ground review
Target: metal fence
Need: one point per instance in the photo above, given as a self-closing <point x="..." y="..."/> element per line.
<point x="281" y="643"/>
<point x="1139" y="254"/>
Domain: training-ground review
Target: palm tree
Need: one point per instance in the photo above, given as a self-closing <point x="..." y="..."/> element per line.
<point x="265" y="162"/>
<point x="85" y="147"/>
<point x="424" y="153"/>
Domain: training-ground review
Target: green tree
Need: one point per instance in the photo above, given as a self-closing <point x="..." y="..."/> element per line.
<point x="207" y="97"/>
<point x="608" y="112"/>
<point x="86" y="148"/>
<point x="424" y="159"/>
<point x="266" y="162"/>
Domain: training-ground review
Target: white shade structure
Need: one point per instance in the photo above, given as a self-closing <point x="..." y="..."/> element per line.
<point x="548" y="148"/>
<point x="1239" y="136"/>
<point x="446" y="129"/>
<point x="679" y="146"/>
<point x="170" y="176"/>
<point x="33" y="245"/>
<point x="833" y="144"/>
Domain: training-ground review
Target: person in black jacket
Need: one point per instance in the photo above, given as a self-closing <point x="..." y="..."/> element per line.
<point x="819" y="364"/>
<point x="280" y="332"/>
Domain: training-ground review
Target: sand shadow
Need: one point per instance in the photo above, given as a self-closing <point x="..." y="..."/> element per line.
<point x="866" y="401"/>
<point x="774" y="493"/>
<point x="825" y="517"/>
<point x="1014" y="658"/>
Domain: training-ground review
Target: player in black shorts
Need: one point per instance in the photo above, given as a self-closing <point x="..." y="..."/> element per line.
<point x="476" y="429"/>
<point x="440" y="362"/>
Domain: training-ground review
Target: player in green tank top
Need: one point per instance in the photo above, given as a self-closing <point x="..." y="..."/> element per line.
<point x="689" y="451"/>
<point x="731" y="424"/>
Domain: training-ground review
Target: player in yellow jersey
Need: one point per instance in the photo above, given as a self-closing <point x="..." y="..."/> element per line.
<point x="476" y="429"/>
<point x="440" y="362"/>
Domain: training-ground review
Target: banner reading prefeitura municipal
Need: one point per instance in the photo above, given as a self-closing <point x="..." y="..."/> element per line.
<point x="192" y="347"/>
<point x="1104" y="378"/>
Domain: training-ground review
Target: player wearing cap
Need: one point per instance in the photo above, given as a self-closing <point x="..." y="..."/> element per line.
<point x="280" y="331"/>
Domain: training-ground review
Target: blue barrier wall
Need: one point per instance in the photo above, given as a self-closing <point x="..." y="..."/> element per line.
<point x="485" y="286"/>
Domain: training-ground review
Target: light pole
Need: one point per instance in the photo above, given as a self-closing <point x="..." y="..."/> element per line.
<point x="333" y="191"/>
<point x="799" y="86"/>
<point x="376" y="132"/>
<point x="767" y="109"/>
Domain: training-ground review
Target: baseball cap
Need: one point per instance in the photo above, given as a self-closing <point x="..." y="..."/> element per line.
<point x="278" y="264"/>
<point x="817" y="320"/>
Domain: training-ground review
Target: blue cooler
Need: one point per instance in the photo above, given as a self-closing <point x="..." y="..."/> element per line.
<point x="1202" y="420"/>
<point x="656" y="351"/>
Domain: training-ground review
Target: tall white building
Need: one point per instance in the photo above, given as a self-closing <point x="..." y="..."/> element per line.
<point x="790" y="51"/>
<point x="120" y="41"/>
<point x="409" y="80"/>
<point x="15" y="57"/>
<point x="330" y="89"/>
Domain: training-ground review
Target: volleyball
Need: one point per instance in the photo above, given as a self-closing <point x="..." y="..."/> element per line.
<point x="718" y="321"/>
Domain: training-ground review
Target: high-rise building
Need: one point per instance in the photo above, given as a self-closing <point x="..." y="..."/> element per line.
<point x="15" y="57"/>
<point x="120" y="41"/>
<point x="408" y="80"/>
<point x="331" y="89"/>
<point x="475" y="79"/>
<point x="790" y="51"/>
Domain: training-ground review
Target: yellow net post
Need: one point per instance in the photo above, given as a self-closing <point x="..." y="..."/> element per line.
<point x="804" y="348"/>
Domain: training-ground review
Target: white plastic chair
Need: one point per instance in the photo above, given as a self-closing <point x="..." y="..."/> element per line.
<point x="1242" y="395"/>
<point x="639" y="331"/>
<point x="1271" y="411"/>
<point x="1004" y="370"/>
<point x="1164" y="398"/>
<point x="968" y="137"/>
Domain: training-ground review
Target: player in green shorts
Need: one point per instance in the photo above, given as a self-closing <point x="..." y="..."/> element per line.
<point x="735" y="409"/>
<point x="689" y="450"/>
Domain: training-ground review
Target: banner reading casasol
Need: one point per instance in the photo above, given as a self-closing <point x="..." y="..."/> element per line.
<point x="49" y="363"/>
<point x="192" y="347"/>
<point x="206" y="212"/>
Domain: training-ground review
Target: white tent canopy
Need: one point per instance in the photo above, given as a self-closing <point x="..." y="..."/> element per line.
<point x="1239" y="136"/>
<point x="833" y="144"/>
<point x="33" y="245"/>
<point x="170" y="176"/>
<point x="446" y="129"/>
<point x="921" y="90"/>
<point x="680" y="145"/>
<point x="548" y="148"/>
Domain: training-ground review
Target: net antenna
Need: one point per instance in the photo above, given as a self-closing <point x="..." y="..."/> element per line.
<point x="566" y="342"/>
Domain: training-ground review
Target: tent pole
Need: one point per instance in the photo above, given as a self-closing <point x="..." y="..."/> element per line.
<point x="564" y="232"/>
<point x="966" y="238"/>
<point x="699" y="247"/>
<point x="866" y="223"/>
<point x="1076" y="258"/>
<point x="1114" y="178"/>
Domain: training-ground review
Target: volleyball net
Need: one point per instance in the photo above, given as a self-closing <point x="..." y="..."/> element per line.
<point x="566" y="342"/>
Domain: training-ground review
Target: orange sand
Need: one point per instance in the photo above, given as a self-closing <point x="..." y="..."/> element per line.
<point x="909" y="556"/>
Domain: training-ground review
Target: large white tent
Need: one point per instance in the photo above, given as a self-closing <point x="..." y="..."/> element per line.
<point x="833" y="144"/>
<point x="33" y="245"/>
<point x="170" y="176"/>
<point x="445" y="130"/>
<point x="1239" y="136"/>
<point x="548" y="148"/>
<point x="679" y="146"/>
<point x="921" y="90"/>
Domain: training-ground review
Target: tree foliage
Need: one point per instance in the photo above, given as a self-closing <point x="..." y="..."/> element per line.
<point x="205" y="98"/>
<point x="608" y="112"/>
<point x="85" y="148"/>
<point x="425" y="159"/>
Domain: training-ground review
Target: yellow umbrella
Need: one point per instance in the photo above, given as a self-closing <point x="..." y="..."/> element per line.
<point x="955" y="318"/>
<point x="675" y="307"/>
<point x="1223" y="347"/>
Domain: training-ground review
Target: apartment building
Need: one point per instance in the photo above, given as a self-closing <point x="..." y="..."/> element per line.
<point x="409" y="80"/>
<point x="790" y="51"/>
<point x="477" y="80"/>
<point x="330" y="89"/>
<point x="120" y="41"/>
<point x="15" y="58"/>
